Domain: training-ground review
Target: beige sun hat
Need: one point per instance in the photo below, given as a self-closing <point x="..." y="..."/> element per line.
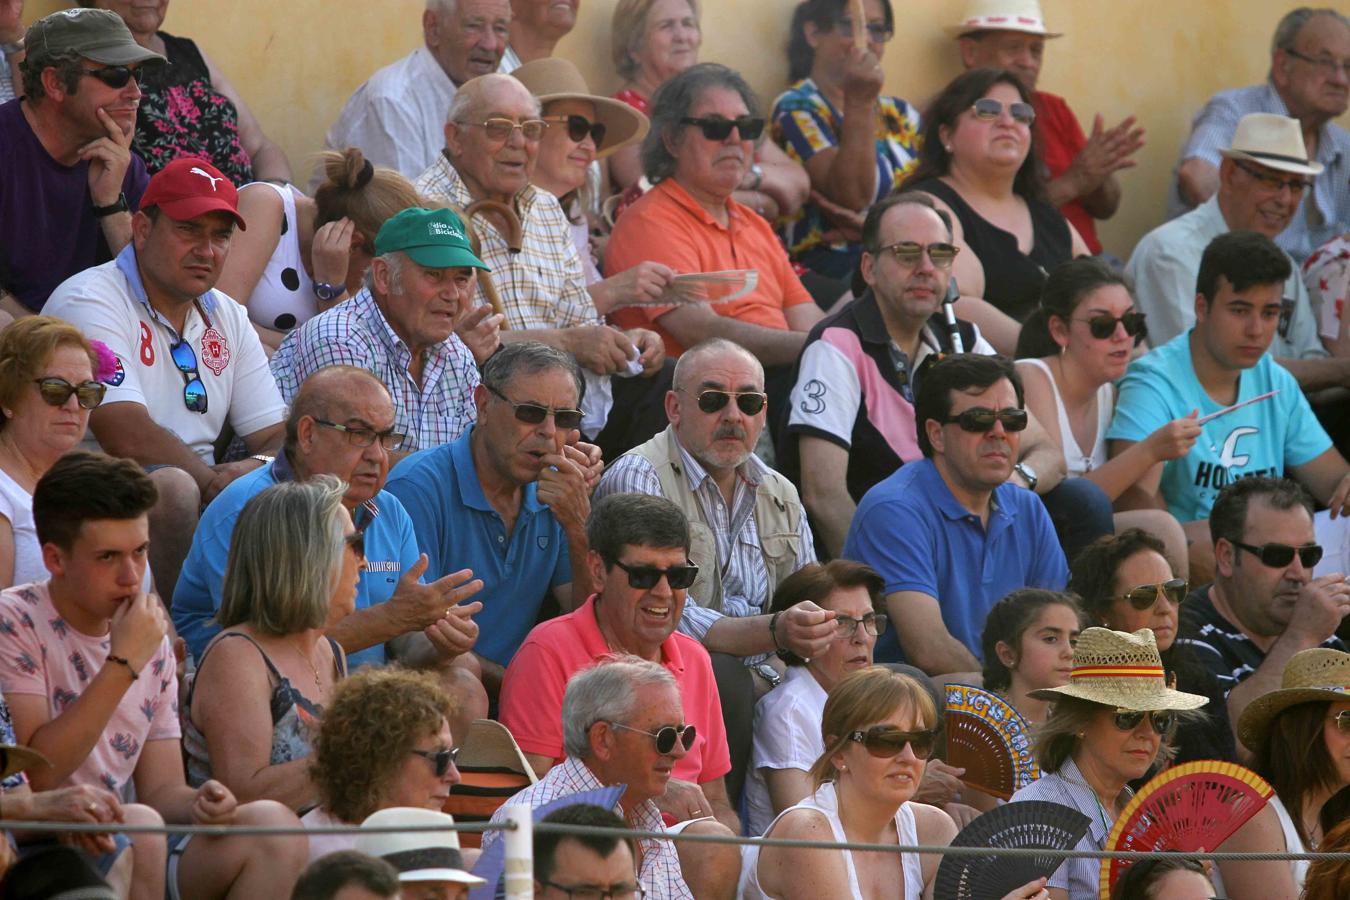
<point x="489" y="745"/>
<point x="1275" y="142"/>
<point x="1121" y="670"/>
<point x="553" y="78"/>
<point x="16" y="758"/>
<point x="1310" y="676"/>
<point x="423" y="855"/>
<point x="1002" y="15"/>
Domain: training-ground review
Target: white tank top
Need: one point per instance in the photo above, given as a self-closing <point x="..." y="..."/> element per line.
<point x="284" y="296"/>
<point x="1075" y="460"/>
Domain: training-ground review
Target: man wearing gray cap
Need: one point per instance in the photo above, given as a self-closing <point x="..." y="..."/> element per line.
<point x="66" y="145"/>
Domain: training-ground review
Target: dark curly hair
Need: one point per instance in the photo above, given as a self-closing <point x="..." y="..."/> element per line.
<point x="1093" y="574"/>
<point x="1008" y="620"/>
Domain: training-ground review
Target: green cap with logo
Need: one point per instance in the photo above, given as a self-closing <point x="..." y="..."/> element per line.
<point x="95" y="34"/>
<point x="430" y="237"/>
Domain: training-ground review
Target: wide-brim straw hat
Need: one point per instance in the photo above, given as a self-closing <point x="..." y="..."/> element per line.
<point x="1310" y="676"/>
<point x="1275" y="142"/>
<point x="1120" y="670"/>
<point x="1002" y="15"/>
<point x="553" y="78"/>
<point x="15" y="758"/>
<point x="489" y="745"/>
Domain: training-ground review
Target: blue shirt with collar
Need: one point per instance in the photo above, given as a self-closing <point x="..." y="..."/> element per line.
<point x="912" y="530"/>
<point x="391" y="549"/>
<point x="459" y="529"/>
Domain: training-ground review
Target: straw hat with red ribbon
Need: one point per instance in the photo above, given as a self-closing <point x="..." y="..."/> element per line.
<point x="1120" y="670"/>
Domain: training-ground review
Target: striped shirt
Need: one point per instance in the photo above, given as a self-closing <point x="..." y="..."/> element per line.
<point x="1080" y="877"/>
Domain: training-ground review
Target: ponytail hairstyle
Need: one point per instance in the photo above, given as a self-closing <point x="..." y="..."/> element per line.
<point x="355" y="189"/>
<point x="1067" y="286"/>
<point x="1008" y="622"/>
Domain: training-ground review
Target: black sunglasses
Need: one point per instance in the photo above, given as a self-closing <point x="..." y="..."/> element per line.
<point x="885" y="741"/>
<point x="580" y="126"/>
<point x="1104" y="325"/>
<point x="194" y="391"/>
<point x="665" y="737"/>
<point x="56" y="391"/>
<point x="357" y="541"/>
<point x="1278" y="556"/>
<point x="533" y="413"/>
<point x="441" y="760"/>
<point x="116" y="76"/>
<point x="988" y="109"/>
<point x="749" y="402"/>
<point x="1162" y="722"/>
<point x="982" y="418"/>
<point x="1144" y="596"/>
<point x="716" y="128"/>
<point x="644" y="578"/>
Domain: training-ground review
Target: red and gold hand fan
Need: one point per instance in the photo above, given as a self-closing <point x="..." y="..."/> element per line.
<point x="1189" y="807"/>
<point x="989" y="739"/>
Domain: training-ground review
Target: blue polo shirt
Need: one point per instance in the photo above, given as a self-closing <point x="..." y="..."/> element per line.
<point x="458" y="529"/>
<point x="391" y="547"/>
<point x="919" y="538"/>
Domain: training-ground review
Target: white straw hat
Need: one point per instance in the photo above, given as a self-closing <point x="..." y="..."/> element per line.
<point x="1275" y="142"/>
<point x="1002" y="15"/>
<point x="1121" y="670"/>
<point x="418" y="855"/>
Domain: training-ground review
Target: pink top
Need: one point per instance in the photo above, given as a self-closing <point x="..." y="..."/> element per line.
<point x="531" y="701"/>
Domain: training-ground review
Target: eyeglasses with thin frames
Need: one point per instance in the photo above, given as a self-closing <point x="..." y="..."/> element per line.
<point x="534" y="414"/>
<point x="499" y="130"/>
<point x="365" y="437"/>
<point x="1324" y="64"/>
<point x="1146" y="595"/>
<point x="441" y="760"/>
<point x="666" y="737"/>
<point x="846" y="626"/>
<point x="908" y="253"/>
<point x="1270" y="181"/>
<point x="987" y="109"/>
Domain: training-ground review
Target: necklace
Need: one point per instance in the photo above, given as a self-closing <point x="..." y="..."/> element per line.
<point x="309" y="662"/>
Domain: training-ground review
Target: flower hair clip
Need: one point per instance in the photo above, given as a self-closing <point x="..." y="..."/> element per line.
<point x="106" y="366"/>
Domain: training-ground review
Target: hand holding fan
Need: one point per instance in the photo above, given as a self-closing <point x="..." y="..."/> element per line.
<point x="989" y="739"/>
<point x="1030" y="823"/>
<point x="1188" y="807"/>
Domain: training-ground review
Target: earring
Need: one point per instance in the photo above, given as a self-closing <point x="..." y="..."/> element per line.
<point x="947" y="147"/>
<point x="842" y="767"/>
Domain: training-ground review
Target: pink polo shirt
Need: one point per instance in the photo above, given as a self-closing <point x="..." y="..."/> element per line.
<point x="532" y="694"/>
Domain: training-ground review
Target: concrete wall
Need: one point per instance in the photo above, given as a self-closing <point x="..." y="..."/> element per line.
<point x="296" y="61"/>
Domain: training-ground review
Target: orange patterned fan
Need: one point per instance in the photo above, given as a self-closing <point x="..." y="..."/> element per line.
<point x="1188" y="807"/>
<point x="989" y="739"/>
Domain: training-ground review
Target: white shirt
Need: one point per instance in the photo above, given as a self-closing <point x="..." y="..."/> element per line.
<point x="787" y="736"/>
<point x="397" y="118"/>
<point x="108" y="304"/>
<point x="16" y="504"/>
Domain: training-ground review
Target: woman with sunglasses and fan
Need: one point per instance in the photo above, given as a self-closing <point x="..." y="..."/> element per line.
<point x="260" y="687"/>
<point x="979" y="161"/>
<point x="1107" y="727"/>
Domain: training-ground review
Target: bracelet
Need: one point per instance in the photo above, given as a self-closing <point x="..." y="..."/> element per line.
<point x="263" y="458"/>
<point x="135" y="676"/>
<point x="773" y="631"/>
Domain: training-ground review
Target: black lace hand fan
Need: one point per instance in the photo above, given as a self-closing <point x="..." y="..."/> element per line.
<point x="988" y="738"/>
<point x="1188" y="807"/>
<point x="1027" y="824"/>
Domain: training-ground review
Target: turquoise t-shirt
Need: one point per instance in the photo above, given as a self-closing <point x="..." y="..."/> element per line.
<point x="1265" y="438"/>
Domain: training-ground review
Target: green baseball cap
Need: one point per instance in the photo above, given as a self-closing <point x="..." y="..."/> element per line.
<point x="430" y="237"/>
<point x="95" y="34"/>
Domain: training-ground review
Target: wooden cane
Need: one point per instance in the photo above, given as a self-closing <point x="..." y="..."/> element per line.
<point x="513" y="233"/>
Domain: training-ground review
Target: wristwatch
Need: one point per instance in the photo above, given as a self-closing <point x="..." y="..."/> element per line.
<point x="1028" y="475"/>
<point x="328" y="292"/>
<point x="769" y="674"/>
<point x="757" y="172"/>
<point x="121" y="206"/>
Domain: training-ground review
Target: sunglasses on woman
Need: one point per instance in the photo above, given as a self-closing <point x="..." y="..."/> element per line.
<point x="982" y="418"/>
<point x="533" y="413"/>
<point x="1279" y="556"/>
<point x="717" y="128"/>
<point x="908" y="253"/>
<point x="665" y="737"/>
<point x="886" y="741"/>
<point x="749" y="402"/>
<point x="578" y="127"/>
<point x="1144" y="596"/>
<point x="441" y="760"/>
<point x="644" y="578"/>
<point x="1161" y="722"/>
<point x="1104" y="325"/>
<point x="1342" y="720"/>
<point x="357" y="542"/>
<point x="56" y="391"/>
<point x="987" y="109"/>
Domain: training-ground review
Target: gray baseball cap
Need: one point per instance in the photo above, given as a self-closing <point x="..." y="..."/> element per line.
<point x="95" y="34"/>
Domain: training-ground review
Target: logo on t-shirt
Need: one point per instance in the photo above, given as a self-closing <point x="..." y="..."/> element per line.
<point x="119" y="374"/>
<point x="1216" y="475"/>
<point x="215" y="351"/>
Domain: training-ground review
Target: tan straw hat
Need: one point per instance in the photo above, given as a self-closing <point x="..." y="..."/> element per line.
<point x="1002" y="15"/>
<point x="1310" y="676"/>
<point x="553" y="78"/>
<point x="16" y="758"/>
<point x="1121" y="670"/>
<point x="1275" y="142"/>
<point x="489" y="745"/>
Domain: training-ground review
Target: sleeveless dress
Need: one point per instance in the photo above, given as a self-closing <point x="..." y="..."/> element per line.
<point x="284" y="296"/>
<point x="1075" y="459"/>
<point x="825" y="801"/>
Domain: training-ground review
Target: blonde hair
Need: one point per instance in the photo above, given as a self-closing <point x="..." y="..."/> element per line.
<point x="865" y="698"/>
<point x="27" y="345"/>
<point x="1062" y="730"/>
<point x="627" y="28"/>
<point x="355" y="189"/>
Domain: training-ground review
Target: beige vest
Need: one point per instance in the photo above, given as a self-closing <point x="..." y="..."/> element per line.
<point x="778" y="513"/>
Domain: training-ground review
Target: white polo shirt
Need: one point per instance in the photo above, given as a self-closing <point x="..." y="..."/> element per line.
<point x="108" y="303"/>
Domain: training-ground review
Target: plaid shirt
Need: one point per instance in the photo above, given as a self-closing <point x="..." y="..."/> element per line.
<point x="355" y="333"/>
<point x="659" y="870"/>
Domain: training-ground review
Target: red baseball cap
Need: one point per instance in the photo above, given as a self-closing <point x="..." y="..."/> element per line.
<point x="188" y="187"/>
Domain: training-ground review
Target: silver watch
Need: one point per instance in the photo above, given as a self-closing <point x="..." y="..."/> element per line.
<point x="1028" y="475"/>
<point x="769" y="674"/>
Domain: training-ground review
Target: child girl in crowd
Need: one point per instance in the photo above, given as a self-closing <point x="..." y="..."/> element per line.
<point x="1028" y="645"/>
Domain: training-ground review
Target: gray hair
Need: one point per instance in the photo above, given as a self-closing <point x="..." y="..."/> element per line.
<point x="688" y="358"/>
<point x="469" y="96"/>
<point x="285" y="557"/>
<point x="605" y="692"/>
<point x="672" y="102"/>
<point x="529" y="358"/>
<point x="1286" y="32"/>
<point x="393" y="261"/>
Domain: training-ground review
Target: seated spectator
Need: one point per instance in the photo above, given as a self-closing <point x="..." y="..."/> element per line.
<point x="1329" y="878"/>
<point x="691" y="222"/>
<point x="47" y="388"/>
<point x="385" y="740"/>
<point x="1223" y="361"/>
<point x="397" y="118"/>
<point x="1326" y="275"/>
<point x="623" y="723"/>
<point x="401" y="328"/>
<point x="190" y="108"/>
<point x="1264" y="605"/>
<point x="81" y="75"/>
<point x="1304" y="82"/>
<point x="978" y="159"/>
<point x="1126" y="583"/>
<point x="188" y="364"/>
<point x="347" y="875"/>
<point x="787" y="739"/>
<point x="1163" y="876"/>
<point x="95" y="636"/>
<point x="1104" y="730"/>
<point x="948" y="533"/>
<point x="567" y="865"/>
<point x="430" y="866"/>
<point x="303" y="255"/>
<point x="1080" y="169"/>
<point x="249" y="714"/>
<point x="508" y="500"/>
<point x="11" y="49"/>
<point x="536" y="28"/>
<point x="1298" y="735"/>
<point x="855" y="143"/>
<point x="877" y="727"/>
<point x="634" y="539"/>
<point x="341" y="424"/>
<point x="1028" y="646"/>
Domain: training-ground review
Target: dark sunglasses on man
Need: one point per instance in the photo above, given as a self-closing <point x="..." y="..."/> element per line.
<point x="666" y="737"/>
<point x="533" y="413"/>
<point x="117" y="77"/>
<point x="717" y="128"/>
<point x="1279" y="556"/>
<point x="644" y="578"/>
<point x="748" y="402"/>
<point x="982" y="418"/>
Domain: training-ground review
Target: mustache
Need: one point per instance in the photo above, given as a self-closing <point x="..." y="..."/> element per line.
<point x="729" y="431"/>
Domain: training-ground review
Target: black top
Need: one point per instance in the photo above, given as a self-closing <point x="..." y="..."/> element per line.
<point x="1012" y="280"/>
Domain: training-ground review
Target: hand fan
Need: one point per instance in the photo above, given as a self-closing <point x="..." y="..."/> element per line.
<point x="704" y="287"/>
<point x="989" y="739"/>
<point x="1198" y="804"/>
<point x="1028" y="824"/>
